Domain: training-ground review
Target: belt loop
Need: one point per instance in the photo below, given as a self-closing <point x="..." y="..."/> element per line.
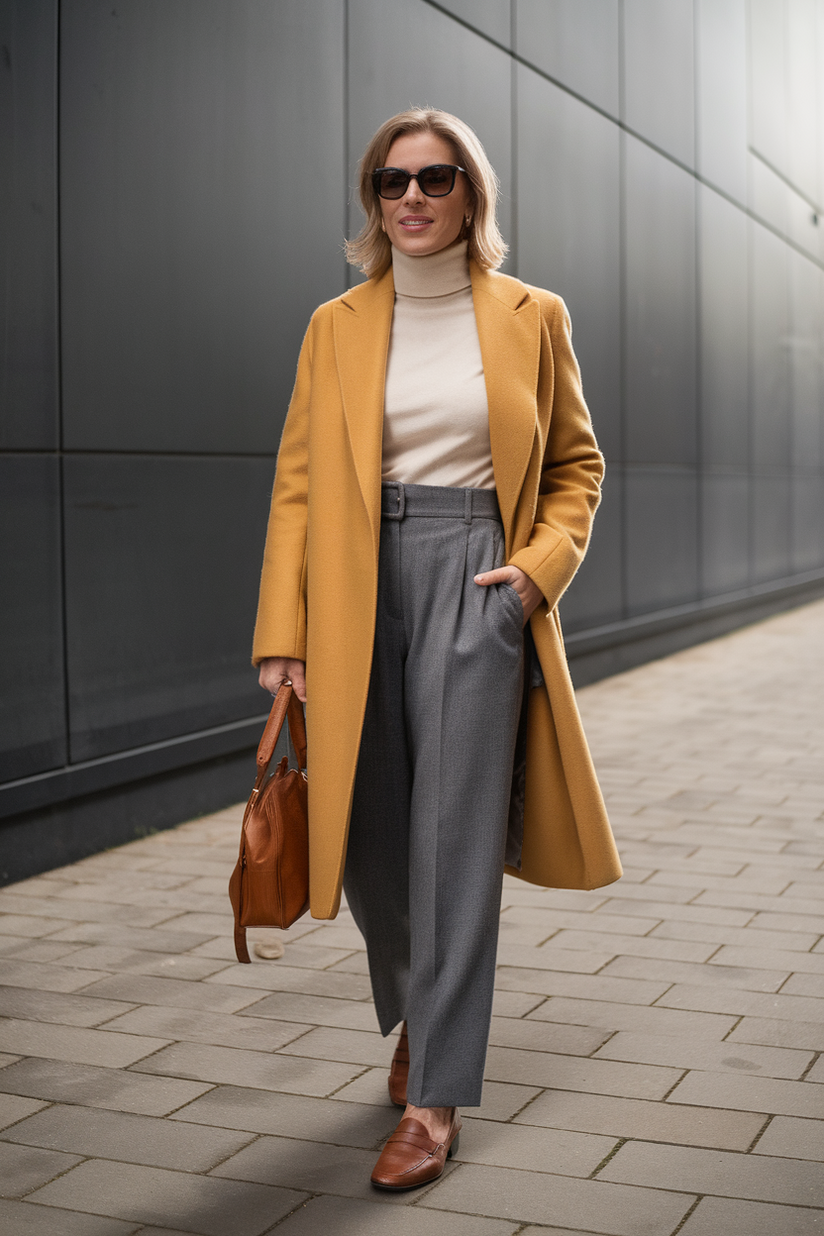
<point x="467" y="506"/>
<point x="401" y="499"/>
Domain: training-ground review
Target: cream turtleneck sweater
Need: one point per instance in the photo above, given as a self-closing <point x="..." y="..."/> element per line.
<point x="436" y="417"/>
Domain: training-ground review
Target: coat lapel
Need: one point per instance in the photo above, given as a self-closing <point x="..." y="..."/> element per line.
<point x="362" y="324"/>
<point x="509" y="330"/>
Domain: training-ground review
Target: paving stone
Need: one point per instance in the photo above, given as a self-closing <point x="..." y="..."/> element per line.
<point x="352" y="1046"/>
<point x="573" y="961"/>
<point x="197" y="1026"/>
<point x="141" y="961"/>
<point x="40" y="951"/>
<point x="747" y="937"/>
<point x="75" y="1043"/>
<point x="115" y="1089"/>
<point x="757" y="901"/>
<point x="771" y="1032"/>
<point x="689" y="1053"/>
<point x="552" y="1231"/>
<point x="538" y="1197"/>
<point x="583" y="986"/>
<point x="554" y="920"/>
<point x="314" y="1010"/>
<point x="770" y="885"/>
<point x="24" y="1168"/>
<point x="805" y="985"/>
<point x="237" y="1066"/>
<point x="719" y="1172"/>
<point x="792" y="1138"/>
<point x="514" y="1003"/>
<point x="58" y="1007"/>
<point x="771" y="959"/>
<point x="816" y="1073"/>
<point x="143" y="989"/>
<point x="643" y="1018"/>
<point x="751" y="1094"/>
<point x="648" y="1121"/>
<point x="519" y="933"/>
<point x="93" y="1133"/>
<point x="25" y="1219"/>
<point x="572" y="1073"/>
<point x="42" y="977"/>
<point x="291" y="978"/>
<point x="29" y="925"/>
<point x="714" y="1216"/>
<point x="353" y="1217"/>
<point x="211" y="925"/>
<point x="90" y="911"/>
<point x="692" y="913"/>
<point x="634" y="946"/>
<point x="297" y="953"/>
<point x="532" y="1148"/>
<point x="152" y="1195"/>
<point x="14" y="1107"/>
<point x="744" y="1003"/>
<point x="317" y="1167"/>
<point x="788" y="922"/>
<point x="309" y="1119"/>
<point x="688" y="972"/>
<point x="500" y="1100"/>
<point x="355" y="963"/>
<point x="542" y="1035"/>
<point x="9" y="943"/>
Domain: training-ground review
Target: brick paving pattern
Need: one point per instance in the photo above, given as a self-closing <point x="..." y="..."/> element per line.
<point x="654" y="1065"/>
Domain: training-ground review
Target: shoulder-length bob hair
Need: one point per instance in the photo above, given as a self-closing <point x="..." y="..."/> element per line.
<point x="371" y="250"/>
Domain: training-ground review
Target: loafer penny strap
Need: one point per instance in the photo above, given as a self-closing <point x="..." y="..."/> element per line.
<point x="416" y="1140"/>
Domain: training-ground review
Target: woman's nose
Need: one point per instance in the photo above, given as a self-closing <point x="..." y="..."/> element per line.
<point x="413" y="192"/>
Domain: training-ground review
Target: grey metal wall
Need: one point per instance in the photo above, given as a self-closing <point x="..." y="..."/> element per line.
<point x="173" y="201"/>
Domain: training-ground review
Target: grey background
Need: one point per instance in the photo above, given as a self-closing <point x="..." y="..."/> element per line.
<point x="174" y="196"/>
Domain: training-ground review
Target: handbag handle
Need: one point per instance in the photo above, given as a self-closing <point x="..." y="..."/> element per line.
<point x="285" y="704"/>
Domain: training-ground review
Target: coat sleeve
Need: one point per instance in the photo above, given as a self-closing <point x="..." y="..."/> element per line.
<point x="570" y="483"/>
<point x="280" y="630"/>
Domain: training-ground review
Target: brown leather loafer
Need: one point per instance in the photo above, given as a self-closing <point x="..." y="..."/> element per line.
<point x="399" y="1071"/>
<point x="410" y="1158"/>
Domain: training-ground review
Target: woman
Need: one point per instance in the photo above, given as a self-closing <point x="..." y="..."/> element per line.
<point x="435" y="487"/>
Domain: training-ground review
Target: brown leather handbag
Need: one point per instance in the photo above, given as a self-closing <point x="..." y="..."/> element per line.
<point x="270" y="883"/>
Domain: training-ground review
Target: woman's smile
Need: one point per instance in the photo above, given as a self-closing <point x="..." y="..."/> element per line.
<point x="415" y="223"/>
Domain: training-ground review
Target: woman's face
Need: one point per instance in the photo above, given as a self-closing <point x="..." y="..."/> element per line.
<point x="417" y="224"/>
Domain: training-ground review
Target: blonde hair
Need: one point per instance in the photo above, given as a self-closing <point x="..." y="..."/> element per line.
<point x="371" y="250"/>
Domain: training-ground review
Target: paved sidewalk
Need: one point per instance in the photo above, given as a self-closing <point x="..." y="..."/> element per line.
<point x="654" y="1064"/>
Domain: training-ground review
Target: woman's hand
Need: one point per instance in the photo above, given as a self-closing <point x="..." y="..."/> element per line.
<point x="530" y="594"/>
<point x="274" y="671"/>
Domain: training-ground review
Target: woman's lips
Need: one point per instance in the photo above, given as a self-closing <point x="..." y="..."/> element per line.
<point x="415" y="223"/>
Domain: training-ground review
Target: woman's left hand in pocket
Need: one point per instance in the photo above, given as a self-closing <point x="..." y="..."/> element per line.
<point x="530" y="594"/>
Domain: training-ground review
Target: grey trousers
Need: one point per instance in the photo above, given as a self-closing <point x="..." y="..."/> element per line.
<point x="429" y="817"/>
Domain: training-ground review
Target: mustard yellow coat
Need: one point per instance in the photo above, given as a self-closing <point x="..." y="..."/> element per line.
<point x="320" y="572"/>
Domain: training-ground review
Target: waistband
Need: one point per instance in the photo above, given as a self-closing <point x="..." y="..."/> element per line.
<point x="400" y="501"/>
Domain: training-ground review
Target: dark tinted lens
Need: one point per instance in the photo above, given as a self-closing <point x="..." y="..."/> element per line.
<point x="437" y="181"/>
<point x="392" y="183"/>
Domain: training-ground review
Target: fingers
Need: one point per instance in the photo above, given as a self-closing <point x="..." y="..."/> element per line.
<point x="275" y="671"/>
<point x="501" y="575"/>
<point x="299" y="681"/>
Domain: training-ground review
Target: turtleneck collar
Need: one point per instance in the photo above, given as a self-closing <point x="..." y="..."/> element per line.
<point x="434" y="274"/>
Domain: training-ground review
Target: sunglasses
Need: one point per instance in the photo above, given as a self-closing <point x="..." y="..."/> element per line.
<point x="437" y="180"/>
